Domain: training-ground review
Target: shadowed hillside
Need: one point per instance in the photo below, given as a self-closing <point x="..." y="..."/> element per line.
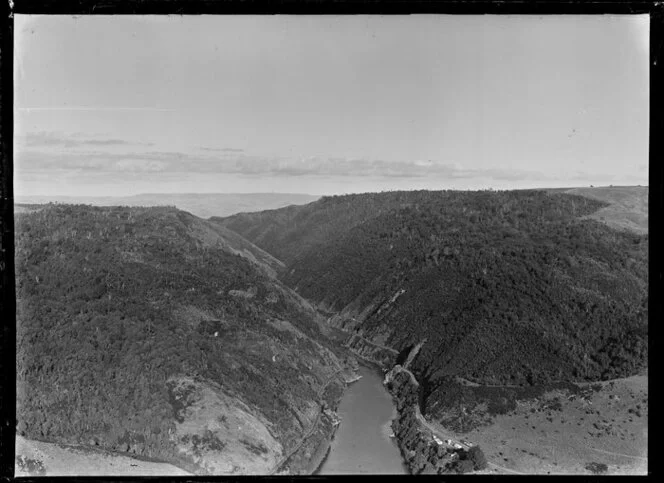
<point x="152" y="332"/>
<point x="507" y="287"/>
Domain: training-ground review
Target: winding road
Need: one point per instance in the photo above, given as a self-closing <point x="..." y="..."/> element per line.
<point x="619" y="454"/>
<point x="440" y="432"/>
<point x="389" y="349"/>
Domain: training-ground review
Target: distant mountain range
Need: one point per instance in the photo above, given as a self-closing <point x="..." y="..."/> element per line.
<point x="203" y="205"/>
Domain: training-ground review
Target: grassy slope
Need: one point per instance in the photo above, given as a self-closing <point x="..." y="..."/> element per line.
<point x="133" y="325"/>
<point x="66" y="460"/>
<point x="607" y="426"/>
<point x="627" y="206"/>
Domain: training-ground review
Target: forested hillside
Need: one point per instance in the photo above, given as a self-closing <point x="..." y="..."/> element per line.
<point x="150" y="331"/>
<point x="515" y="287"/>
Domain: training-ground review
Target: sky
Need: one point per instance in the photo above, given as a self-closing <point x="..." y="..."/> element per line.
<point x="122" y="105"/>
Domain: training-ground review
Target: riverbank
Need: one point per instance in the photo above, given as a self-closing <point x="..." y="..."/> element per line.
<point x="315" y="449"/>
<point x="324" y="449"/>
<point x="311" y="452"/>
<point x="362" y="445"/>
<point x="421" y="449"/>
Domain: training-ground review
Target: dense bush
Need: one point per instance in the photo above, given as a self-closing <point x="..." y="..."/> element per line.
<point x="507" y="287"/>
<point x="113" y="302"/>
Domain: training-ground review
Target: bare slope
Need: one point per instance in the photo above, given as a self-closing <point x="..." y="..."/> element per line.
<point x="155" y="333"/>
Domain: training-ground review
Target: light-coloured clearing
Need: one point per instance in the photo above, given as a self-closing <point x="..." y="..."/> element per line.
<point x="628" y="206"/>
<point x="64" y="460"/>
<point x="600" y="429"/>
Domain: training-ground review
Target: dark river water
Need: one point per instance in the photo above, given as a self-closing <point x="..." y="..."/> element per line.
<point x="362" y="443"/>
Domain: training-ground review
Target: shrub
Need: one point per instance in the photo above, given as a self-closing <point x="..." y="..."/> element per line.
<point x="31" y="466"/>
<point x="463" y="466"/>
<point x="597" y="468"/>
<point x="491" y="296"/>
<point x="476" y="456"/>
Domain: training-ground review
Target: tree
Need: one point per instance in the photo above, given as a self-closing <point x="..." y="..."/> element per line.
<point x="476" y="456"/>
<point x="463" y="466"/>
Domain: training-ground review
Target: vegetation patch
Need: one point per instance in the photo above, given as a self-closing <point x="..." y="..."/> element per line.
<point x="597" y="468"/>
<point x="256" y="448"/>
<point x="208" y="442"/>
<point x="30" y="466"/>
<point x="180" y="397"/>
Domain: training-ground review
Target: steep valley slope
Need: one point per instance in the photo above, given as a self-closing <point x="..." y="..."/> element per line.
<point x="152" y="333"/>
<point x="506" y="287"/>
<point x="513" y="295"/>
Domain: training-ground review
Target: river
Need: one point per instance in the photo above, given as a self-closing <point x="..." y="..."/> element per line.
<point x="362" y="443"/>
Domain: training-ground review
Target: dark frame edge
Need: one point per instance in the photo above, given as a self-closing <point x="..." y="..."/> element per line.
<point x="340" y="7"/>
<point x="7" y="279"/>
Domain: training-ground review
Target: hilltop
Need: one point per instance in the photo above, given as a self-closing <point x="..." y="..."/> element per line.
<point x="203" y="205"/>
<point x="153" y="333"/>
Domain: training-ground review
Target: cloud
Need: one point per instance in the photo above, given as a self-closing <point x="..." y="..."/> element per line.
<point x="80" y="152"/>
<point x="226" y="161"/>
<point x="95" y="109"/>
<point x="102" y="162"/>
<point x="44" y="139"/>
<point x="222" y="150"/>
<point x="104" y="142"/>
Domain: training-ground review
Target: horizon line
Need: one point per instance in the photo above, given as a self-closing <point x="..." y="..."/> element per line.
<point x="16" y="197"/>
